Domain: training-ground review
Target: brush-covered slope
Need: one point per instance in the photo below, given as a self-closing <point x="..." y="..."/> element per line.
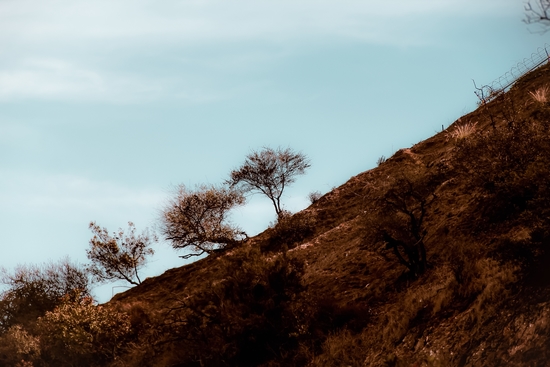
<point x="438" y="257"/>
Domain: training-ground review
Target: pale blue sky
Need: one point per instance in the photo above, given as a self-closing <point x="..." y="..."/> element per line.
<point x="105" y="105"/>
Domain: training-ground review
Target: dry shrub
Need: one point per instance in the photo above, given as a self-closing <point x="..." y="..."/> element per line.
<point x="325" y="315"/>
<point x="32" y="290"/>
<point x="78" y="332"/>
<point x="289" y="231"/>
<point x="18" y="347"/>
<point x="314" y="196"/>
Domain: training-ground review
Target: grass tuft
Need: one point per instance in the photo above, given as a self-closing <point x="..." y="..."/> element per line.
<point x="461" y="131"/>
<point x="540" y="95"/>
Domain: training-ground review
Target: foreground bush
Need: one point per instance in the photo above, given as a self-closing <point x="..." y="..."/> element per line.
<point x="18" y="347"/>
<point x="32" y="290"/>
<point x="80" y="333"/>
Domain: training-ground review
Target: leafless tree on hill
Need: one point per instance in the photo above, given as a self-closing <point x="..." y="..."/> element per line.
<point x="403" y="208"/>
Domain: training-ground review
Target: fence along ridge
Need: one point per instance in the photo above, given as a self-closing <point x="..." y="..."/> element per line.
<point x="500" y="85"/>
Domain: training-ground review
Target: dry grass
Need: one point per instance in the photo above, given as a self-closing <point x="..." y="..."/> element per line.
<point x="491" y="285"/>
<point x="540" y="95"/>
<point x="461" y="131"/>
<point x="343" y="349"/>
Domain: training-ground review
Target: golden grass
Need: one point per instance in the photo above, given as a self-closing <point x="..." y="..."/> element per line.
<point x="540" y="95"/>
<point x="462" y="131"/>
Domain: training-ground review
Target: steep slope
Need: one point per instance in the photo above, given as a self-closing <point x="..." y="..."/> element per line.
<point x="473" y="197"/>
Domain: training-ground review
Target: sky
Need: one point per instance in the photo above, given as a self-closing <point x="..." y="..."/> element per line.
<point x="106" y="106"/>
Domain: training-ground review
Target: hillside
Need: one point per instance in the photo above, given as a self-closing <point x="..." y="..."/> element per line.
<point x="345" y="282"/>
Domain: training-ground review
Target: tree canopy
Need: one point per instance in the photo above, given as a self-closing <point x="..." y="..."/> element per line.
<point x="120" y="256"/>
<point x="197" y="219"/>
<point x="269" y="171"/>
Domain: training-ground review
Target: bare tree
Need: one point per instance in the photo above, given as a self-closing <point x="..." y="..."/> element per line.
<point x="197" y="219"/>
<point x="269" y="171"/>
<point x="120" y="256"/>
<point x="538" y="13"/>
<point x="404" y="210"/>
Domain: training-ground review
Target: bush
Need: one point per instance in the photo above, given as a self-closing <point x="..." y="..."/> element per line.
<point x="288" y="231"/>
<point x="314" y="196"/>
<point x="18" y="347"/>
<point x="80" y="333"/>
<point x="33" y="290"/>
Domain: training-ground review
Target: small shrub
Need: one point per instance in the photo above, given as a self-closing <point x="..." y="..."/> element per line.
<point x="314" y="196"/>
<point x="381" y="160"/>
<point x="288" y="231"/>
<point x="82" y="333"/>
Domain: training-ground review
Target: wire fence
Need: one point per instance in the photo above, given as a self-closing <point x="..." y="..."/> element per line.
<point x="489" y="92"/>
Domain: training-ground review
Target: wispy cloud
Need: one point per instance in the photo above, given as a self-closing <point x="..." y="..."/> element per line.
<point x="197" y="21"/>
<point x="43" y="194"/>
<point x="49" y="78"/>
<point x="81" y="50"/>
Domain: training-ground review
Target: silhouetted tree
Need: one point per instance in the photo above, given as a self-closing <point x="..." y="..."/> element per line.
<point x="197" y="219"/>
<point x="404" y="206"/>
<point x="269" y="171"/>
<point x="120" y="256"/>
